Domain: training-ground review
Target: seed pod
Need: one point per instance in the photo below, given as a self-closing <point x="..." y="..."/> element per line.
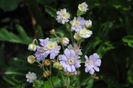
<point x="47" y="62"/>
<point x="31" y="59"/>
<point x="46" y="73"/>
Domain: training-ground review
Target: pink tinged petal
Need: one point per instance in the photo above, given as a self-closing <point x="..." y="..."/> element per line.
<point x="91" y="71"/>
<point x="67" y="53"/>
<point x="97" y="62"/>
<point x="96" y="69"/>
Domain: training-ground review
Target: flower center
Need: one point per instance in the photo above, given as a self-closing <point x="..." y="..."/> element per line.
<point x="42" y="49"/>
<point x="84" y="31"/>
<point x="81" y="6"/>
<point x="30" y="76"/>
<point x="90" y="62"/>
<point x="71" y="61"/>
<point x="51" y="45"/>
<point x="76" y="23"/>
<point x="64" y="15"/>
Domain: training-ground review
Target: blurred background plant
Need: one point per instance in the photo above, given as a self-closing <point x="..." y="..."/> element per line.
<point x="23" y="20"/>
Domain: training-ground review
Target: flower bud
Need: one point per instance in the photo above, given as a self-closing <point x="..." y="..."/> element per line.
<point x="84" y="33"/>
<point x="46" y="73"/>
<point x="47" y="62"/>
<point x="88" y="24"/>
<point x="57" y="65"/>
<point x="52" y="31"/>
<point x="32" y="47"/>
<point x="31" y="59"/>
<point x="65" y="41"/>
<point x="77" y="36"/>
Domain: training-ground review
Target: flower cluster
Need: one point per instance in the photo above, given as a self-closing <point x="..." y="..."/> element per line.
<point x="64" y="53"/>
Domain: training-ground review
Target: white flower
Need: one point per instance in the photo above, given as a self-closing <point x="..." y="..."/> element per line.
<point x="77" y="23"/>
<point x="32" y="47"/>
<point x="84" y="33"/>
<point x="31" y="76"/>
<point x="88" y="23"/>
<point x="62" y="16"/>
<point x="65" y="41"/>
<point x="83" y="7"/>
<point x="77" y="36"/>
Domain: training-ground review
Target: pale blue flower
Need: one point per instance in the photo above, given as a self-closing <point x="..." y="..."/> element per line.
<point x="76" y="49"/>
<point x="83" y="7"/>
<point x="69" y="60"/>
<point x="92" y="63"/>
<point x="77" y="23"/>
<point x="31" y="76"/>
<point x="62" y="16"/>
<point x="46" y="48"/>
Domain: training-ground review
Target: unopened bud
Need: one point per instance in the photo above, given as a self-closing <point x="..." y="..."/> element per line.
<point x="32" y="47"/>
<point x="57" y="65"/>
<point x="88" y="24"/>
<point x="33" y="21"/>
<point x="31" y="59"/>
<point x="52" y="31"/>
<point x="65" y="41"/>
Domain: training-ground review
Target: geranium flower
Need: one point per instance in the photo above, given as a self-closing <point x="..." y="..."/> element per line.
<point x="47" y="47"/>
<point x="92" y="63"/>
<point x="83" y="7"/>
<point x="70" y="61"/>
<point x="77" y="23"/>
<point x="62" y="16"/>
<point x="31" y="76"/>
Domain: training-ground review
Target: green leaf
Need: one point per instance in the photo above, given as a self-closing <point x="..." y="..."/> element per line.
<point x="11" y="37"/>
<point x="129" y="40"/>
<point x="2" y="51"/>
<point x="51" y="11"/>
<point x="11" y="72"/>
<point x="104" y="47"/>
<point x="9" y="5"/>
<point x="90" y="83"/>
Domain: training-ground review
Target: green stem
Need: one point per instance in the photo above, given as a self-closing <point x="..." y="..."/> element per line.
<point x="50" y="82"/>
<point x="68" y="83"/>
